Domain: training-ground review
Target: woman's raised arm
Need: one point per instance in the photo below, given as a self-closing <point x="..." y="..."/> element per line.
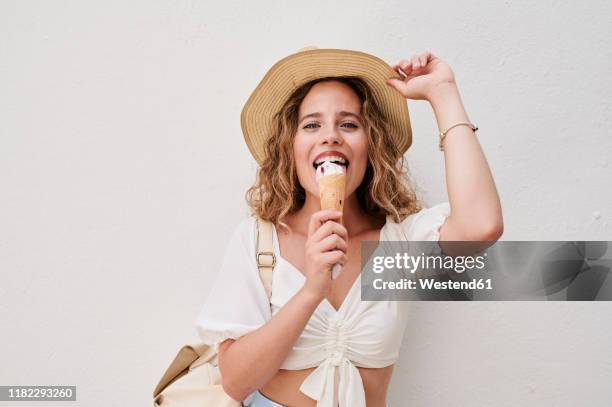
<point x="476" y="213"/>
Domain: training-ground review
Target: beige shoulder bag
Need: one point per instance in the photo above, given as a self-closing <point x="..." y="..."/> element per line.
<point x="193" y="378"/>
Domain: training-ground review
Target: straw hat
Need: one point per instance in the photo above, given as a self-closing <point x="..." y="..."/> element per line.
<point x="312" y="63"/>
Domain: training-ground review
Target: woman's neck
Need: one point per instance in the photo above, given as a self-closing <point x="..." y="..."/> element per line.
<point x="354" y="218"/>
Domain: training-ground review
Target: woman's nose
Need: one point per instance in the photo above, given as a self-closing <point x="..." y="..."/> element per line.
<point x="332" y="137"/>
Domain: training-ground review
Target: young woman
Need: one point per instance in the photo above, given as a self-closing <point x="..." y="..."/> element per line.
<point x="318" y="343"/>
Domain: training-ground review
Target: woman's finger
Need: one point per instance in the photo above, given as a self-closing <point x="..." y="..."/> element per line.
<point x="332" y="242"/>
<point x="423" y="59"/>
<point x="405" y="65"/>
<point x="398" y="70"/>
<point x="334" y="257"/>
<point x="319" y="218"/>
<point x="328" y="228"/>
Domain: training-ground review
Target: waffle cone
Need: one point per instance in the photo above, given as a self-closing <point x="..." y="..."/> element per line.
<point x="331" y="191"/>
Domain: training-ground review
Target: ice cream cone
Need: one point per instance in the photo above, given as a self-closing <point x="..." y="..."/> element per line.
<point x="331" y="191"/>
<point x="332" y="185"/>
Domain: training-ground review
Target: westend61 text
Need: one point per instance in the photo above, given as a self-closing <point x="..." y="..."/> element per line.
<point x="433" y="284"/>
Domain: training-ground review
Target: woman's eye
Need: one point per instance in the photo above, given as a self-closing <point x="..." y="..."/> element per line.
<point x="310" y="125"/>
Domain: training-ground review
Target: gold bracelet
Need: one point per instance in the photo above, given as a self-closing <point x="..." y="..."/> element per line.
<point x="443" y="133"/>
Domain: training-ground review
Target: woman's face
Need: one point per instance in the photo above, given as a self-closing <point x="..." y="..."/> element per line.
<point x="329" y="119"/>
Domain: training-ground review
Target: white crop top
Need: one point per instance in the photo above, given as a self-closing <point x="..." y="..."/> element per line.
<point x="359" y="334"/>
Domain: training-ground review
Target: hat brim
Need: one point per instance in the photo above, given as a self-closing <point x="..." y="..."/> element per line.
<point x="297" y="69"/>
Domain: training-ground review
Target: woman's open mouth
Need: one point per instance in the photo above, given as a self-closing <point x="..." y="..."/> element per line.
<point x="334" y="159"/>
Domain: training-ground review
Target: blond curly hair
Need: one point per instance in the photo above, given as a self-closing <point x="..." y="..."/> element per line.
<point x="386" y="189"/>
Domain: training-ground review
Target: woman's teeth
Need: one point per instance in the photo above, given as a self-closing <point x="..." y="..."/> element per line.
<point x="333" y="159"/>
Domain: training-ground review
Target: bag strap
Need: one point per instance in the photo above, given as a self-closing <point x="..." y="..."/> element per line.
<point x="201" y="353"/>
<point x="264" y="257"/>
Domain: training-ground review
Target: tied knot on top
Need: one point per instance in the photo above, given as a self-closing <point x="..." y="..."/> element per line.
<point x="336" y="358"/>
<point x="336" y="376"/>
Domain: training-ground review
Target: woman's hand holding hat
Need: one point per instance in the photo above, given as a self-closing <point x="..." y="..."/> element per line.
<point x="421" y="74"/>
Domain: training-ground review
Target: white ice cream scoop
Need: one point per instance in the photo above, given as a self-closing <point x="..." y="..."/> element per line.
<point x="329" y="168"/>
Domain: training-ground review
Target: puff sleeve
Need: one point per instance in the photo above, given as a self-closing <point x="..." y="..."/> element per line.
<point x="237" y="302"/>
<point x="423" y="228"/>
<point x="425" y="224"/>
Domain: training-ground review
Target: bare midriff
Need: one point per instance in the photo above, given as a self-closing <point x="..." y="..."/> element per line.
<point x="284" y="387"/>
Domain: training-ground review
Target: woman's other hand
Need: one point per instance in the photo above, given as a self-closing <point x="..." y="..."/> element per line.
<point x="420" y="75"/>
<point x="326" y="245"/>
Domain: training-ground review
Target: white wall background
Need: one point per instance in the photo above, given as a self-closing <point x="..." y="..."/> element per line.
<point x="123" y="170"/>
